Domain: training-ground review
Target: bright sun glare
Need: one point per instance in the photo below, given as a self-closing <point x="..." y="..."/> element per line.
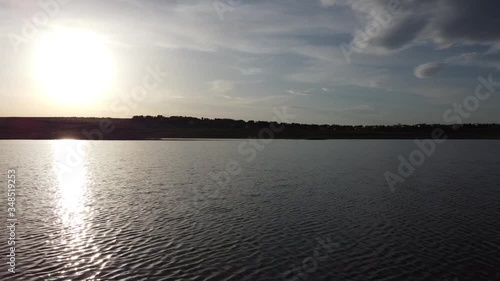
<point x="73" y="66"/>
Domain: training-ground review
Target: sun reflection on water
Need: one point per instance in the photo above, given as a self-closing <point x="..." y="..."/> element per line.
<point x="71" y="180"/>
<point x="73" y="209"/>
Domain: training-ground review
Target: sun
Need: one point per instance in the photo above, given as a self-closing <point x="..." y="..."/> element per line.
<point x="73" y="66"/>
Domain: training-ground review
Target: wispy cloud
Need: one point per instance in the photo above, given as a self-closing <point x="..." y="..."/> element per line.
<point x="222" y="86"/>
<point x="427" y="70"/>
<point x="276" y="51"/>
<point x="250" y="70"/>
<point x="301" y="93"/>
<point x="476" y="59"/>
<point x="328" y="3"/>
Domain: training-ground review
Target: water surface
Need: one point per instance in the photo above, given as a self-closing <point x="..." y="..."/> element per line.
<point x="154" y="210"/>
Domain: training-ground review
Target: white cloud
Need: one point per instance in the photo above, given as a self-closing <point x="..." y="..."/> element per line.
<point x="427" y="70"/>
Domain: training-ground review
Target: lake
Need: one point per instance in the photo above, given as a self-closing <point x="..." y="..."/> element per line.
<point x="243" y="210"/>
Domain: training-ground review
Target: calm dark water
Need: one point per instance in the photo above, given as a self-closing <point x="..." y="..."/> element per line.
<point x="301" y="210"/>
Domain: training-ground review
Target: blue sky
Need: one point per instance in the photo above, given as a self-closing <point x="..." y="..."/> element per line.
<point x="239" y="58"/>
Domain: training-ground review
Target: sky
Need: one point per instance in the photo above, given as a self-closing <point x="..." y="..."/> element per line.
<point x="326" y="61"/>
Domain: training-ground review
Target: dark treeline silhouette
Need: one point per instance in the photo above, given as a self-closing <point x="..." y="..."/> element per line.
<point x="184" y="121"/>
<point x="158" y="127"/>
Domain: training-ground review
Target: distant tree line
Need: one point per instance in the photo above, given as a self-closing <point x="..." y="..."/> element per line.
<point x="193" y="122"/>
<point x="158" y="127"/>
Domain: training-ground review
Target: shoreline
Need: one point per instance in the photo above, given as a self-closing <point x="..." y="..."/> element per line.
<point x="194" y="129"/>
